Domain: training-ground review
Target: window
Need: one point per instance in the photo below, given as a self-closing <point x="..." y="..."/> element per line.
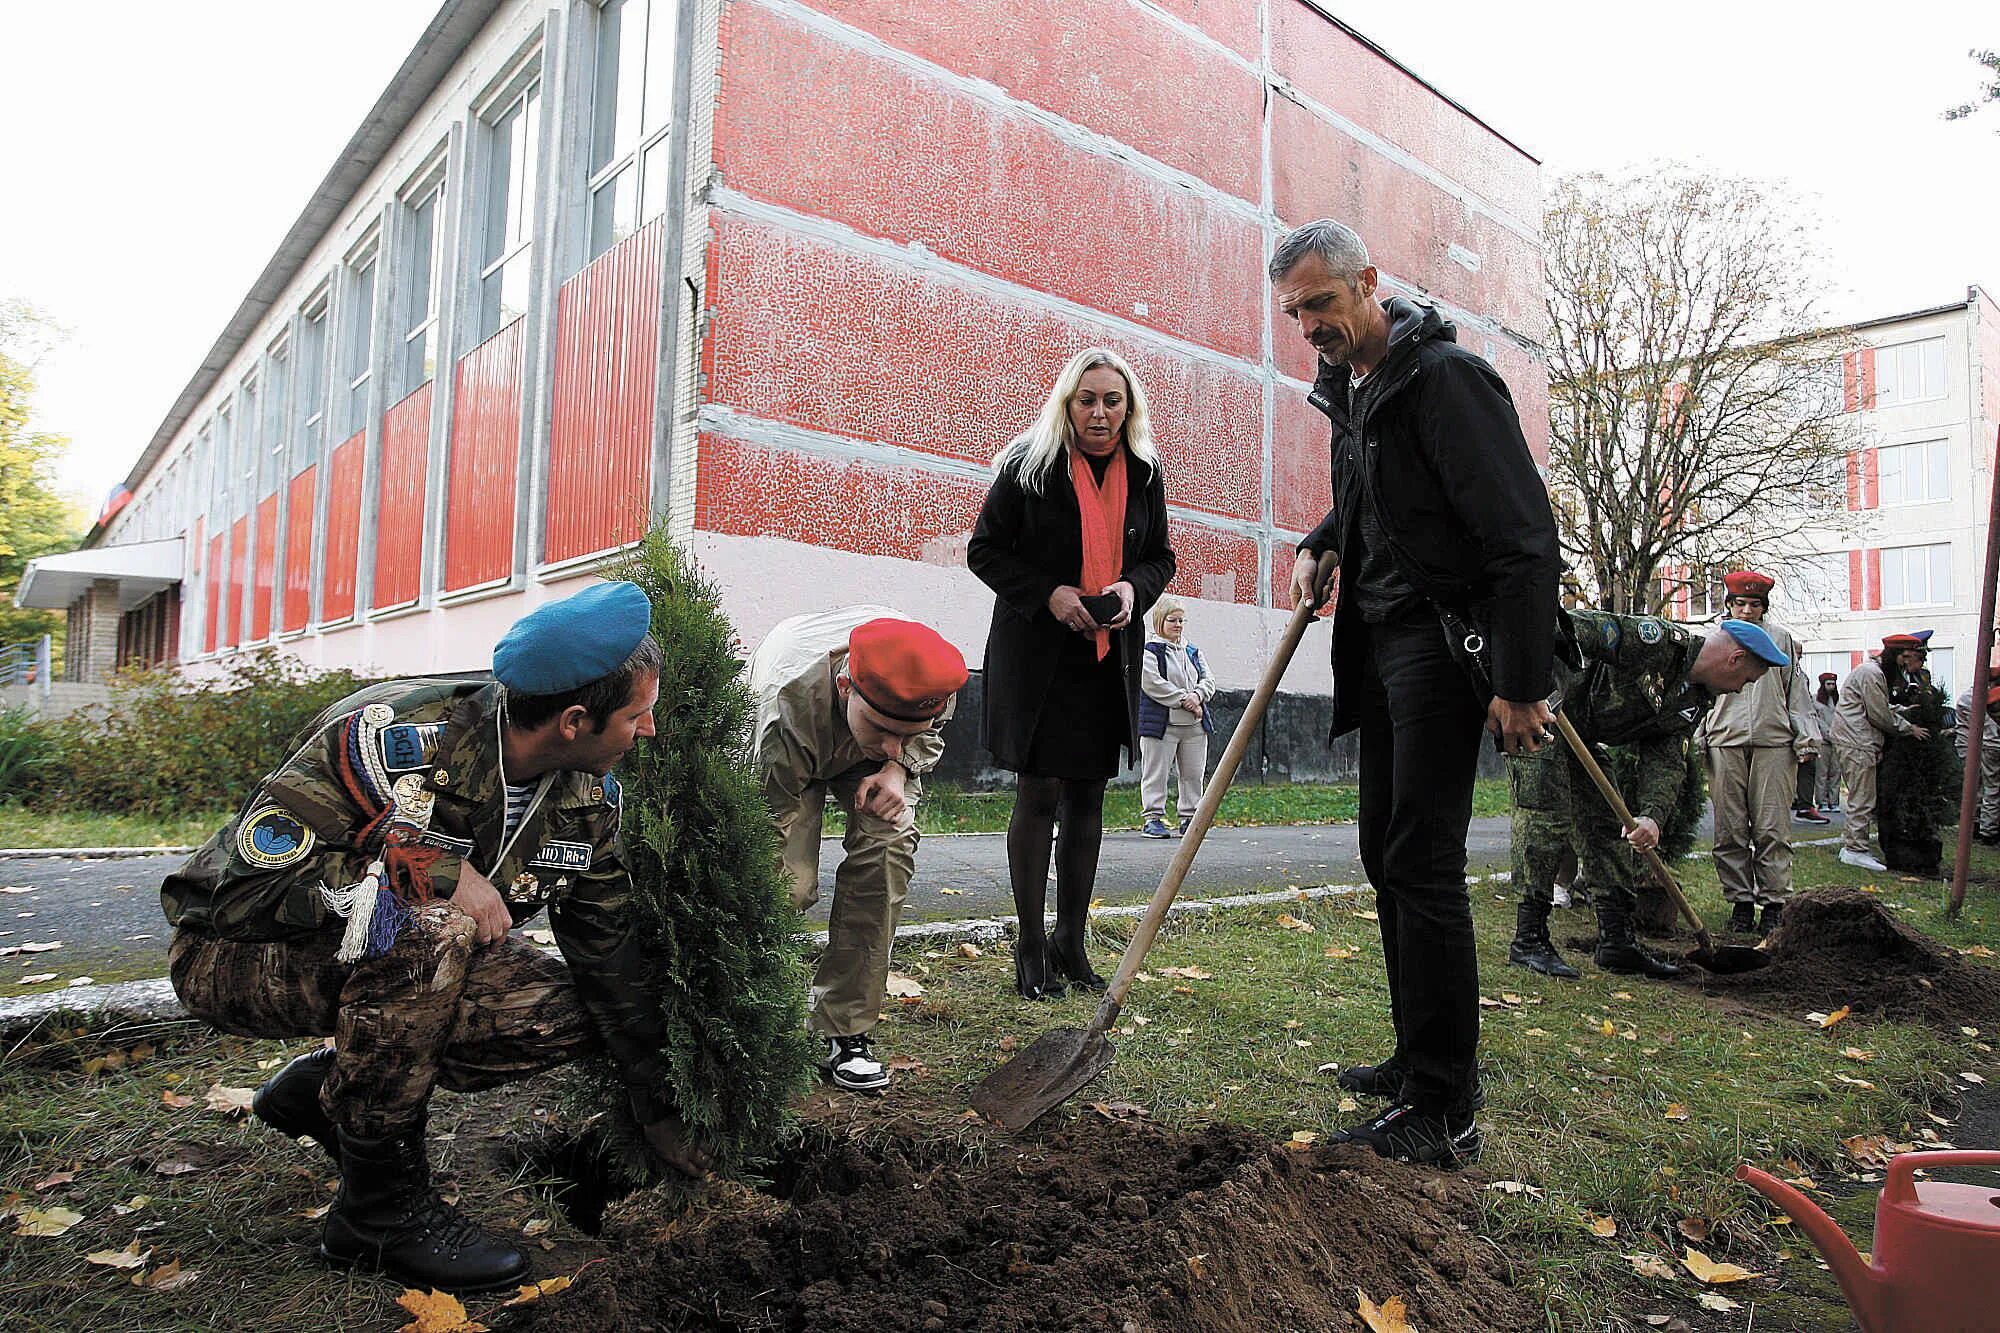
<point x="1817" y="586"/>
<point x="277" y="378"/>
<point x="248" y="440"/>
<point x="1939" y="663"/>
<point x="632" y="114"/>
<point x="1916" y="575"/>
<point x="1914" y="473"/>
<point x="1909" y="372"/>
<point x="513" y="133"/>
<point x="311" y="413"/>
<point x="423" y="220"/>
<point x="228" y="468"/>
<point x="1816" y="664"/>
<point x="357" y="342"/>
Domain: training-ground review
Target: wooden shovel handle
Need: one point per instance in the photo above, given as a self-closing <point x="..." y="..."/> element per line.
<point x="1225" y="770"/>
<point x="1618" y="808"/>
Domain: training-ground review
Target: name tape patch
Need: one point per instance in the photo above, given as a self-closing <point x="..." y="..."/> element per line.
<point x="273" y="837"/>
<point x="562" y="856"/>
<point x="410" y="745"/>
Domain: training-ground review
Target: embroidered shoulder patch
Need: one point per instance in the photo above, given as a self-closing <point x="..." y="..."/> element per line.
<point x="562" y="856"/>
<point x="612" y="794"/>
<point x="410" y="745"/>
<point x="272" y="837"/>
<point x="1651" y="630"/>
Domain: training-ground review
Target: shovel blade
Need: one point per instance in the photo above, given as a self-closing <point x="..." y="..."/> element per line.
<point x="1731" y="958"/>
<point x="1042" y="1077"/>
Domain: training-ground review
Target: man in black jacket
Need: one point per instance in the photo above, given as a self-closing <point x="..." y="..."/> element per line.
<point x="1448" y="567"/>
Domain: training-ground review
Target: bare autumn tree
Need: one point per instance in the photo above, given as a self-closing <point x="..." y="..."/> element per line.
<point x="1989" y="61"/>
<point x="1696" y="418"/>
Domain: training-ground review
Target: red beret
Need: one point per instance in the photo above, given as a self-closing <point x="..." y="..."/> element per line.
<point x="1993" y="699"/>
<point x="902" y="669"/>
<point x="1749" y="583"/>
<point x="1896" y="643"/>
<point x="1829" y="675"/>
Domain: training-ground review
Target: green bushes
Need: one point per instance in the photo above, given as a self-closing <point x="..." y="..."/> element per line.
<point x="167" y="743"/>
<point x="27" y="749"/>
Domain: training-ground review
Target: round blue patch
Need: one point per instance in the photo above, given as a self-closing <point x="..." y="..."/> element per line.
<point x="273" y="837"/>
<point x="1651" y="630"/>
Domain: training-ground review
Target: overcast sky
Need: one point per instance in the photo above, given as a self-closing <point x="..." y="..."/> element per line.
<point x="157" y="153"/>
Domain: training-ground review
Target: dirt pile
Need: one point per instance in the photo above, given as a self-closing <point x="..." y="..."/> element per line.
<point x="1100" y="1225"/>
<point x="1843" y="947"/>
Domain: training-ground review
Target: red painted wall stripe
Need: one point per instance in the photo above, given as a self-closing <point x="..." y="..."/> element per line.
<point x="1231" y="22"/>
<point x="1871" y="479"/>
<point x="1857" y="581"/>
<point x="1850" y="381"/>
<point x="827" y="130"/>
<point x="1873" y="563"/>
<point x="1342" y="74"/>
<point x="343" y="529"/>
<point x="399" y="511"/>
<point x="1868" y="378"/>
<point x="1212" y="564"/>
<point x="211" y="639"/>
<point x="1301" y="462"/>
<point x="1052" y="54"/>
<point x="267" y="567"/>
<point x="239" y="575"/>
<point x="601" y="432"/>
<point x="987" y="368"/>
<point x="1854" y="479"/>
<point x="1408" y="223"/>
<point x="299" y="549"/>
<point x="485" y="449"/>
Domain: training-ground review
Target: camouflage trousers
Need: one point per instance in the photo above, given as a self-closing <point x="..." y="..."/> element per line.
<point x="433" y="1011"/>
<point x="1556" y="811"/>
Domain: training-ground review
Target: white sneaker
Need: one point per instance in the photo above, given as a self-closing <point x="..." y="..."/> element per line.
<point x="851" y="1064"/>
<point x="1561" y="895"/>
<point x="1863" y="860"/>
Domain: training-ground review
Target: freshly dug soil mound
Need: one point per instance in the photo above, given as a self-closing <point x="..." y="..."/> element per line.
<point x="1838" y="947"/>
<point x="1101" y="1225"/>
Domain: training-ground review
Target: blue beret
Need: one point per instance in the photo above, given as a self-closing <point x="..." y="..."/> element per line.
<point x="565" y="645"/>
<point x="1752" y="636"/>
<point x="1922" y="636"/>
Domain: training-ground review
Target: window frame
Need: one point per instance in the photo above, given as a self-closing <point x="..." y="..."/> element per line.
<point x="1934" y="553"/>
<point x="1889" y="355"/>
<point x="430" y="185"/>
<point x="520" y="90"/>
<point x="310" y="416"/>
<point x="651" y="135"/>
<point x="1936" y="466"/>
<point x="360" y="275"/>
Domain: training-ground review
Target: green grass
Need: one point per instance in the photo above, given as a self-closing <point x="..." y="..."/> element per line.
<point x="949" y="810"/>
<point x="21" y="827"/>
<point x="1579" y="1114"/>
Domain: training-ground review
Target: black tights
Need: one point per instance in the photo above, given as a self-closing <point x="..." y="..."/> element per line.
<point x="1039" y="803"/>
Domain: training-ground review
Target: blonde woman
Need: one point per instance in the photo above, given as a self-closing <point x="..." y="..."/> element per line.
<point x="1073" y="541"/>
<point x="1174" y="722"/>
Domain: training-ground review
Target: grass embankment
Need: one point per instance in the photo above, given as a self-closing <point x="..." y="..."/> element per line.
<point x="943" y="810"/>
<point x="1587" y="1082"/>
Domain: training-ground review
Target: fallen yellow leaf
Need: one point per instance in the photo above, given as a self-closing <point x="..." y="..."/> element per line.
<point x="1302" y="1139"/>
<point x="901" y="987"/>
<point x="1287" y="921"/>
<point x="967" y="949"/>
<point x="1608" y="1028"/>
<point x="45" y="1221"/>
<point x="1855" y="1053"/>
<point x="1707" y="1270"/>
<point x="1603" y="1226"/>
<point x="1391" y="1316"/>
<point x="1694" y="1228"/>
<point x="436" y="1312"/>
<point x="1835" y="1016"/>
<point x="1187" y="973"/>
<point x="1715" y="1300"/>
<point x="534" y="1291"/>
<point x="230" y="1101"/>
<point x="129" y="1257"/>
<point x="178" y="1100"/>
<point x="1652" y="1265"/>
<point x="1675" y="1111"/>
<point x="166" y="1277"/>
<point x="1366" y="915"/>
<point x="1335" y="951"/>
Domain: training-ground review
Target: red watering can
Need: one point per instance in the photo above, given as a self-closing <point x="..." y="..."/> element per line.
<point x="1936" y="1263"/>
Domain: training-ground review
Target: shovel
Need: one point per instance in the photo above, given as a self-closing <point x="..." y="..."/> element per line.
<point x="1061" y="1062"/>
<point x="1729" y="957"/>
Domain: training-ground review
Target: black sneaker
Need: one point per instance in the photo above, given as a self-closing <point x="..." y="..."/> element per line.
<point x="1404" y="1134"/>
<point x="851" y="1064"/>
<point x="1383" y="1080"/>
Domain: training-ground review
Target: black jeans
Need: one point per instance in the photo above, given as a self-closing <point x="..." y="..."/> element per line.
<point x="1421" y="725"/>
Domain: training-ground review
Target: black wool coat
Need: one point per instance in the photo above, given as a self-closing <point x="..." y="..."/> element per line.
<point x="1024" y="547"/>
<point x="1466" y="514"/>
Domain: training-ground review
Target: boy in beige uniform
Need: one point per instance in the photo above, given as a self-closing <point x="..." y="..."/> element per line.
<point x="850" y="702"/>
<point x="1753" y="743"/>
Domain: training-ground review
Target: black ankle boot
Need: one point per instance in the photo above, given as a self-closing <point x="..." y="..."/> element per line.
<point x="1067" y="958"/>
<point x="387" y="1218"/>
<point x="1773" y="914"/>
<point x="289" y="1100"/>
<point x="1033" y="977"/>
<point x="1618" y="950"/>
<point x="1532" y="948"/>
<point x="1743" y="919"/>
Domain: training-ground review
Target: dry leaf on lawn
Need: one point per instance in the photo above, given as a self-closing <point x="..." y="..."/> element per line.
<point x="131" y="1205"/>
<point x="1365" y="914"/>
<point x="166" y="1277"/>
<point x="37" y="979"/>
<point x="1516" y="1187"/>
<point x="1187" y="973"/>
<point x="1694" y="1228"/>
<point x="1388" y="1317"/>
<point x="46" y="1221"/>
<point x="904" y="987"/>
<point x="534" y="1291"/>
<point x="1834" y="1017"/>
<point x="1715" y="1300"/>
<point x="129" y="1257"/>
<point x="230" y="1101"/>
<point x="1707" y="1270"/>
<point x="1602" y="1226"/>
<point x="1868" y="1149"/>
<point x="1675" y="1111"/>
<point x="1972" y="1078"/>
<point x="53" y="1179"/>
<point x="967" y="949"/>
<point x="1336" y="951"/>
<point x="536" y="1226"/>
<point x="1856" y="1054"/>
<point x="1652" y="1265"/>
<point x="1302" y="1139"/>
<point x="436" y="1312"/>
<point x="1289" y="922"/>
<point x="899" y="1063"/>
<point x="1347" y="1104"/>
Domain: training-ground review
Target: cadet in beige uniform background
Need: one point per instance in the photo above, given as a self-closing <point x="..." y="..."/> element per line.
<point x="1863" y="723"/>
<point x="850" y="702"/>
<point x="1753" y="743"/>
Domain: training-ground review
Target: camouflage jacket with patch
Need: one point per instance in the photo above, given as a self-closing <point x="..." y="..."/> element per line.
<point x="1624" y="681"/>
<point x="260" y="878"/>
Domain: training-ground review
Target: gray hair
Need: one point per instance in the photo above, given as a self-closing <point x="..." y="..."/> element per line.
<point x="1334" y="242"/>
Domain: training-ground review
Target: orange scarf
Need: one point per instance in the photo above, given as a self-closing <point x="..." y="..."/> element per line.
<point x="1102" y="511"/>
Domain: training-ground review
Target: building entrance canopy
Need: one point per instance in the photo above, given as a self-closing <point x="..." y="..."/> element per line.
<point x="54" y="582"/>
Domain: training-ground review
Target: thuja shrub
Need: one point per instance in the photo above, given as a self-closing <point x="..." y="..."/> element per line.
<point x="166" y="742"/>
<point x="726" y="944"/>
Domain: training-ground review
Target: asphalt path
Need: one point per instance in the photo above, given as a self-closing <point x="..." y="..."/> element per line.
<point x="105" y="912"/>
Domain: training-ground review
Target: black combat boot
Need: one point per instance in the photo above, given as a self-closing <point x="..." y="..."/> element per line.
<point x="1743" y="919"/>
<point x="1383" y="1080"/>
<point x="1773" y="913"/>
<point x="387" y="1218"/>
<point x="1532" y="948"/>
<point x="1619" y="951"/>
<point x="289" y="1100"/>
<point x="1067" y="958"/>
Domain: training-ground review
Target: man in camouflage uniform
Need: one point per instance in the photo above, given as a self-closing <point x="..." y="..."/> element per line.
<point x="1633" y="681"/>
<point x="365" y="891"/>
